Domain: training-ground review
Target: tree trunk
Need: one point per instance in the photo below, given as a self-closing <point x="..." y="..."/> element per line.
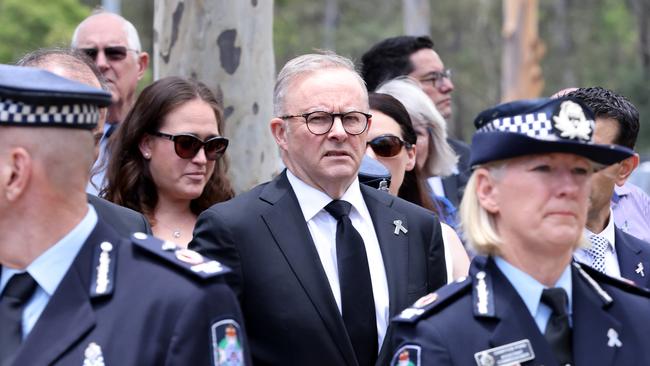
<point x="227" y="45"/>
<point x="642" y="10"/>
<point x="521" y="75"/>
<point x="417" y="14"/>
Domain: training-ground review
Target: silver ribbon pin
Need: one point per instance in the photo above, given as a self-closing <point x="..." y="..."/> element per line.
<point x="639" y="269"/>
<point x="93" y="355"/>
<point x="399" y="227"/>
<point x="613" y="338"/>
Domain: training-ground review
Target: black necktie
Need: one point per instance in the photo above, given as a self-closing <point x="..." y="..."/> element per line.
<point x="357" y="301"/>
<point x="558" y="332"/>
<point x="16" y="293"/>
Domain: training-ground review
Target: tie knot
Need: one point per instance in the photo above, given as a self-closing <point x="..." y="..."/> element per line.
<point x="19" y="288"/>
<point x="338" y="208"/>
<point x="557" y="299"/>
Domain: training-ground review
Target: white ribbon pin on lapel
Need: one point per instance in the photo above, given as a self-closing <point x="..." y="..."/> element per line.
<point x="639" y="269"/>
<point x="399" y="227"/>
<point x="613" y="338"/>
<point x="93" y="355"/>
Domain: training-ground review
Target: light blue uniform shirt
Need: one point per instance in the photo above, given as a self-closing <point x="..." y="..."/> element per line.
<point x="530" y="291"/>
<point x="50" y="267"/>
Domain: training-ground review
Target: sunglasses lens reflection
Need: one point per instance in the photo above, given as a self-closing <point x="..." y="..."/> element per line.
<point x="386" y="146"/>
<point x="187" y="146"/>
<point x="116" y="53"/>
<point x="215" y="147"/>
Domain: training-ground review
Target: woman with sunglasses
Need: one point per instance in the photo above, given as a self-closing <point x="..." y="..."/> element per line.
<point x="167" y="157"/>
<point x="392" y="141"/>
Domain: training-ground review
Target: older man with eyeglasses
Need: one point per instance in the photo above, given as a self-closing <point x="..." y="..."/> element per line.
<point x="113" y="43"/>
<point x="320" y="262"/>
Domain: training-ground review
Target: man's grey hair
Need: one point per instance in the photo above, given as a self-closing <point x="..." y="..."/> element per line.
<point x="132" y="37"/>
<point x="71" y="59"/>
<point x="306" y="64"/>
<point x="441" y="160"/>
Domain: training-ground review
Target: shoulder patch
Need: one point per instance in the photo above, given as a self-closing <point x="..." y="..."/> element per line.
<point x="434" y="300"/>
<point x="407" y="355"/>
<point x="227" y="343"/>
<point x="185" y="259"/>
<point x="595" y="277"/>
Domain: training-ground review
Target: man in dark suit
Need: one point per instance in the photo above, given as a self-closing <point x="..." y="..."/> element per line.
<point x="73" y="65"/>
<point x="317" y="286"/>
<point x="72" y="290"/>
<point x="415" y="57"/>
<point x="612" y="252"/>
<point x="527" y="302"/>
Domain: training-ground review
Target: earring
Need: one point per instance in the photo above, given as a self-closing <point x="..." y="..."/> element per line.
<point x="147" y="156"/>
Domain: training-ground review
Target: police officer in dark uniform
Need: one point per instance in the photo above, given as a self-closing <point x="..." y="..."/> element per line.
<point x="72" y="290"/>
<point x="524" y="209"/>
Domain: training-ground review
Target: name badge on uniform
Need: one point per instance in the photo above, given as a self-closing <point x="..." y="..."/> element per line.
<point x="509" y="354"/>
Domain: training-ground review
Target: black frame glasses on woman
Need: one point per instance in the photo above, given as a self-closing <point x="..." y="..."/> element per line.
<point x="112" y="53"/>
<point x="320" y="122"/>
<point x="387" y="145"/>
<point x="187" y="146"/>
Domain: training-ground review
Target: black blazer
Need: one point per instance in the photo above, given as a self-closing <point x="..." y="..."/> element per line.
<point x="451" y="328"/>
<point x="633" y="258"/>
<point x="157" y="312"/>
<point x="124" y="220"/>
<point x="291" y="315"/>
<point x="454" y="185"/>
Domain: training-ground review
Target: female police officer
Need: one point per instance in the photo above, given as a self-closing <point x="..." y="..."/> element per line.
<point x="524" y="209"/>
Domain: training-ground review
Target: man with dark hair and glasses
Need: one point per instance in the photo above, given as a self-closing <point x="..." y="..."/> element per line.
<point x="113" y="43"/>
<point x="415" y="57"/>
<point x="320" y="263"/>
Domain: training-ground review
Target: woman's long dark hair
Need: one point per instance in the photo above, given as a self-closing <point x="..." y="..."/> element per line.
<point x="129" y="181"/>
<point x="413" y="187"/>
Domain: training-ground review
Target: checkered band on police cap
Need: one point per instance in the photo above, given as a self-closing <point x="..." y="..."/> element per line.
<point x="78" y="115"/>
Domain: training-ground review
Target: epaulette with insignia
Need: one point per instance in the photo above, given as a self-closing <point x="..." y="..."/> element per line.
<point x="624" y="284"/>
<point x="187" y="259"/>
<point x="434" y="300"/>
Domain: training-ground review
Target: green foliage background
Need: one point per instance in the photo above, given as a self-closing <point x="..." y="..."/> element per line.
<point x="599" y="47"/>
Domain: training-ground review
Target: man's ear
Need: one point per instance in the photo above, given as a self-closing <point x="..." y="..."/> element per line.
<point x="487" y="190"/>
<point x="280" y="132"/>
<point x="626" y="167"/>
<point x="143" y="63"/>
<point x="16" y="173"/>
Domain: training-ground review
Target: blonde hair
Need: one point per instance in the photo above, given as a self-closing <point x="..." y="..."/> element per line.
<point x="478" y="226"/>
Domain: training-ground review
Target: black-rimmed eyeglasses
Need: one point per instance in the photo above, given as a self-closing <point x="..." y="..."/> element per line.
<point x="387" y="145"/>
<point x="437" y="77"/>
<point x="320" y="123"/>
<point x="112" y="53"/>
<point x="187" y="146"/>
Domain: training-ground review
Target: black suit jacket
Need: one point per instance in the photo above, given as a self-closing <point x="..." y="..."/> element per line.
<point x="633" y="258"/>
<point x="156" y="313"/>
<point x="124" y="220"/>
<point x="291" y="315"/>
<point x="450" y="328"/>
<point x="454" y="185"/>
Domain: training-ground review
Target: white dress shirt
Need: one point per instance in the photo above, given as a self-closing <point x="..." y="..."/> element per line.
<point x="322" y="227"/>
<point x="612" y="267"/>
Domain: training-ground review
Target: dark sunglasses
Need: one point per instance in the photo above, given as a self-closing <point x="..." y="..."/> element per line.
<point x="388" y="145"/>
<point x="113" y="53"/>
<point x="187" y="146"/>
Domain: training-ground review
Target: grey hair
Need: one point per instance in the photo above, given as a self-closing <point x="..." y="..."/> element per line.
<point x="132" y="37"/>
<point x="306" y="64"/>
<point x="441" y="160"/>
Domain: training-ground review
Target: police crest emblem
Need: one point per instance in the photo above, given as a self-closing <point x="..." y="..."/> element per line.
<point x="572" y="123"/>
<point x="227" y="343"/>
<point x="407" y="355"/>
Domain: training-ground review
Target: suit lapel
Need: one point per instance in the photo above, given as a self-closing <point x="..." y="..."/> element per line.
<point x="634" y="265"/>
<point x="297" y="246"/>
<point x="450" y="185"/>
<point x="394" y="248"/>
<point x="591" y="321"/>
<point x="69" y="314"/>
<point x="515" y="322"/>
